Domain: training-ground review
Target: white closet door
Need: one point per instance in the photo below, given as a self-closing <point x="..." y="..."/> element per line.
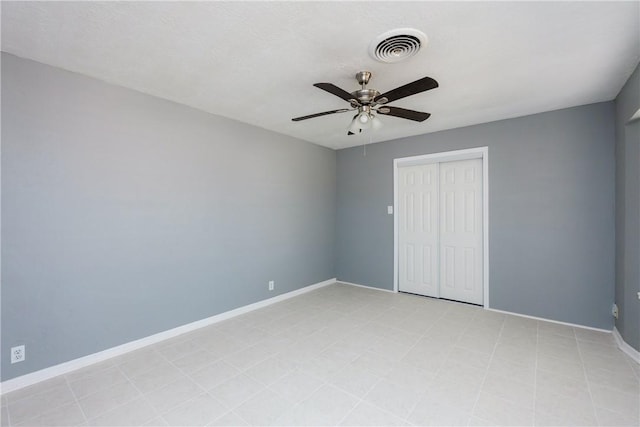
<point x="461" y="256"/>
<point x="418" y="229"/>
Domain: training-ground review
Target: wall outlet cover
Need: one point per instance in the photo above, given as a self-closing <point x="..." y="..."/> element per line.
<point x="17" y="354"/>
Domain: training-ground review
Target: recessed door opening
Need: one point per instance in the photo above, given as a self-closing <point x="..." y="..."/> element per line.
<point x="440" y="227"/>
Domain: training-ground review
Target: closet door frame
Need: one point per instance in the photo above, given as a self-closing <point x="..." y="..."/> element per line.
<point x="448" y="156"/>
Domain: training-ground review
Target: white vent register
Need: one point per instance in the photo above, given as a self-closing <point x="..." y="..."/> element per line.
<point x="397" y="45"/>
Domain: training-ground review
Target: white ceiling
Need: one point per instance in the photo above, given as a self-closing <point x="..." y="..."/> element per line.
<point x="256" y="61"/>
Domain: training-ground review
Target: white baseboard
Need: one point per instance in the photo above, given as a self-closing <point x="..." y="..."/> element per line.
<point x="622" y="344"/>
<point x="66" y="367"/>
<point x="366" y="287"/>
<point x="575" y="325"/>
<point x="492" y="309"/>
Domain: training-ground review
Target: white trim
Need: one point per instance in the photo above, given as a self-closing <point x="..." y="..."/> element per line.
<point x="72" y="365"/>
<point x="575" y="325"/>
<point x="471" y="153"/>
<point x="626" y="348"/>
<point x="365" y="286"/>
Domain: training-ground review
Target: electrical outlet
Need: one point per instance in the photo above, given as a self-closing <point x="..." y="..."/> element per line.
<point x="272" y="285"/>
<point x="17" y="354"/>
<point x="614" y="311"/>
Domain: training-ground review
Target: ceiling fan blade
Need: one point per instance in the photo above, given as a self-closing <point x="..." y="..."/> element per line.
<point x="311" y="116"/>
<point x="422" y="85"/>
<point x="403" y="113"/>
<point x="335" y="90"/>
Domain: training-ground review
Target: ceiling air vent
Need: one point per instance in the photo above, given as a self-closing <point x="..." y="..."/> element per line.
<point x="397" y="45"/>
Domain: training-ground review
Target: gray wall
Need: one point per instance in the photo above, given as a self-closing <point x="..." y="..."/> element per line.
<point x="124" y="215"/>
<point x="551" y="211"/>
<point x="628" y="211"/>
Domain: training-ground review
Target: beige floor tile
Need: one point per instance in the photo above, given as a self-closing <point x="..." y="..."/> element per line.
<point x="452" y="394"/>
<point x="35" y="389"/>
<point x="214" y="374"/>
<point x="156" y="422"/>
<point x="549" y="382"/>
<point x="270" y="370"/>
<point x="66" y="415"/>
<point x="599" y="337"/>
<point x="474" y="343"/>
<point x="510" y="390"/>
<point x="620" y="381"/>
<point x="236" y="390"/>
<point x="136" y="412"/>
<point x="178" y="349"/>
<point x="626" y="404"/>
<point x="570" y="368"/>
<point x="514" y="353"/>
<point x="466" y="356"/>
<point x="519" y="337"/>
<point x="296" y="386"/>
<point x="365" y="414"/>
<point x="355" y="380"/>
<point x="327" y="406"/>
<point x="374" y="362"/>
<point x="157" y="377"/>
<point x="89" y="371"/>
<point x="567" y="409"/>
<point x="547" y="420"/>
<point x="194" y="361"/>
<point x="36" y="405"/>
<point x="108" y="398"/>
<point x="248" y="357"/>
<point x="557" y="341"/>
<point x="411" y="377"/>
<point x="550" y="328"/>
<point x="502" y="412"/>
<point x="177" y="392"/>
<point x="393" y="398"/>
<point x="564" y="352"/>
<point x="99" y="380"/>
<point x="524" y="373"/>
<point x="199" y="411"/>
<point x="607" y="417"/>
<point x="322" y="367"/>
<point x="221" y="346"/>
<point x="229" y="419"/>
<point x="139" y="361"/>
<point x="263" y="408"/>
<point x="440" y="415"/>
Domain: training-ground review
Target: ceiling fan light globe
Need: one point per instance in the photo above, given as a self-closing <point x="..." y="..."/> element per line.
<point x="376" y="123"/>
<point x="353" y="127"/>
<point x="363" y="118"/>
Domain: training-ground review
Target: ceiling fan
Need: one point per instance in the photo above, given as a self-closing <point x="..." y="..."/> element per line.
<point x="369" y="102"/>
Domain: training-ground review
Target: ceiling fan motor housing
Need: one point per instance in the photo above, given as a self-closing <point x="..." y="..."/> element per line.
<point x="365" y="96"/>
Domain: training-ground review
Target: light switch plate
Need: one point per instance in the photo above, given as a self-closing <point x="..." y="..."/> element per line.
<point x="390" y="210"/>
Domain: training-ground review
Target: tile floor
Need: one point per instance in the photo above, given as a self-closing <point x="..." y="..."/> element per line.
<point x="344" y="355"/>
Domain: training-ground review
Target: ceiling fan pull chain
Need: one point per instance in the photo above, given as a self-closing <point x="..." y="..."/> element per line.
<point x="364" y="146"/>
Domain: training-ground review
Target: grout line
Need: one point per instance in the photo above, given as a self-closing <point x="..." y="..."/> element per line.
<point x="139" y="391"/>
<point x="75" y="398"/>
<point x="586" y="379"/>
<point x="486" y="374"/>
<point x="383" y="377"/>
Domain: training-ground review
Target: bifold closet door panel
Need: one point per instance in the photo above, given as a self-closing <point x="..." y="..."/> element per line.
<point x="418" y="191"/>
<point x="461" y="257"/>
